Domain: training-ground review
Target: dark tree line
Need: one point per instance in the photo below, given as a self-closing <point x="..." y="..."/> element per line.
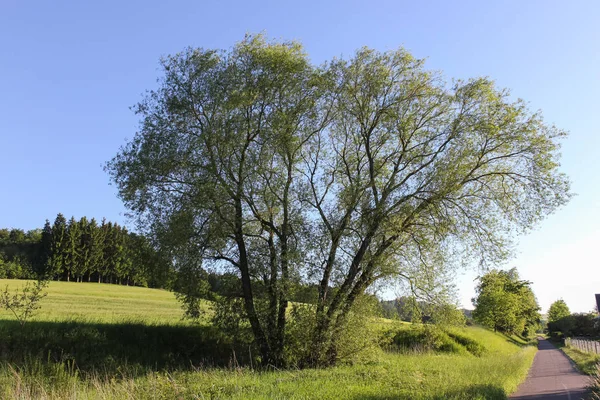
<point x="83" y="251"/>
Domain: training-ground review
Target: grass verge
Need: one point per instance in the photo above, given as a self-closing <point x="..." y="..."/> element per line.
<point x="585" y="362"/>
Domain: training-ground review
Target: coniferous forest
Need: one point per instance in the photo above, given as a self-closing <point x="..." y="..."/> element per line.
<point x="82" y="250"/>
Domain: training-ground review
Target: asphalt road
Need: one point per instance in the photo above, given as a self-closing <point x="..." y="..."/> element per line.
<point x="552" y="377"/>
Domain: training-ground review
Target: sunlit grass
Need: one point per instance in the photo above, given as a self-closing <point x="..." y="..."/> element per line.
<point x="393" y="376"/>
<point x="586" y="362"/>
<point x="101" y="302"/>
<point x="83" y="318"/>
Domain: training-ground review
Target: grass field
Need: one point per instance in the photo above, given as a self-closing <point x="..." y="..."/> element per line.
<point x="98" y="302"/>
<point x="84" y="345"/>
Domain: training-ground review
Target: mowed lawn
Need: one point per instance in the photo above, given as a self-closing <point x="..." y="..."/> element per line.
<point x="100" y="302"/>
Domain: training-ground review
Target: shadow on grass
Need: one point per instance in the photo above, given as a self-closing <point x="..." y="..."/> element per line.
<point x="522" y="343"/>
<point x="110" y="347"/>
<point x="488" y="392"/>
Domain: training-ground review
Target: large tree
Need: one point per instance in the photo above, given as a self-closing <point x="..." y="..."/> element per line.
<point x="72" y="249"/>
<point x="505" y="303"/>
<point x="44" y="257"/>
<point x="362" y="170"/>
<point x="83" y="260"/>
<point x="95" y="248"/>
<point x="58" y="247"/>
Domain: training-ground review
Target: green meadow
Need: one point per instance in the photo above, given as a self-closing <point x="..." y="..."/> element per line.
<point x="99" y="341"/>
<point x="101" y="302"/>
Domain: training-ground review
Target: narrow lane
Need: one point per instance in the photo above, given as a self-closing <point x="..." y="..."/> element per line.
<point x="552" y="377"/>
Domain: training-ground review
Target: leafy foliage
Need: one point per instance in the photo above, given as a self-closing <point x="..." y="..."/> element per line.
<point x="360" y="171"/>
<point x="576" y="324"/>
<point x="505" y="303"/>
<point x="558" y="310"/>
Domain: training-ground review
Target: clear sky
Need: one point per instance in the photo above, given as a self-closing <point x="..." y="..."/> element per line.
<point x="70" y="70"/>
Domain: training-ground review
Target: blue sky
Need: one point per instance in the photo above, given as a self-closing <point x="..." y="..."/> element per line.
<point x="70" y="70"/>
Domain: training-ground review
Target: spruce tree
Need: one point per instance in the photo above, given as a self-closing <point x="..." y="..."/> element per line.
<point x="44" y="258"/>
<point x="58" y="247"/>
<point x="72" y="250"/>
<point x="108" y="253"/>
<point x="95" y="248"/>
<point x="83" y="255"/>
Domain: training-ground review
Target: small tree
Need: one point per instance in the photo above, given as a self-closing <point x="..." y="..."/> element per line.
<point x="23" y="303"/>
<point x="558" y="310"/>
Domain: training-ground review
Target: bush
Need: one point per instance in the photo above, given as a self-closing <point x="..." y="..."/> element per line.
<point x="425" y="338"/>
<point x="14" y="269"/>
<point x="23" y="302"/>
<point x="472" y="346"/>
<point x="358" y="340"/>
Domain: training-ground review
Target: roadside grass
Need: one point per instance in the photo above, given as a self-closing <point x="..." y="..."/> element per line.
<point x="393" y="376"/>
<point x="493" y="374"/>
<point x="586" y="362"/>
<point x="96" y="341"/>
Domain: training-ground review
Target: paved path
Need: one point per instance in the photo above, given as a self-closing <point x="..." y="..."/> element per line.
<point x="552" y="377"/>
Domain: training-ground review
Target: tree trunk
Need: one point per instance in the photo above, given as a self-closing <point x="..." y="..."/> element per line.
<point x="257" y="330"/>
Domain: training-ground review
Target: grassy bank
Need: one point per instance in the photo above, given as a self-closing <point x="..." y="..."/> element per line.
<point x="74" y="350"/>
<point x="586" y="362"/>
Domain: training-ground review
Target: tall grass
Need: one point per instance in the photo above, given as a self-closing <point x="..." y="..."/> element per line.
<point x="392" y="377"/>
<point x="586" y="362"/>
<point x="73" y="351"/>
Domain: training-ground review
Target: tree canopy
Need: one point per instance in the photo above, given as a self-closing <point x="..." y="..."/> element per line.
<point x="558" y="310"/>
<point x="361" y="170"/>
<point x="505" y="303"/>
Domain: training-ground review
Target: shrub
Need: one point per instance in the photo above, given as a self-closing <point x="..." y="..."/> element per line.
<point x="426" y="338"/>
<point x="24" y="302"/>
<point x="472" y="346"/>
<point x="358" y="339"/>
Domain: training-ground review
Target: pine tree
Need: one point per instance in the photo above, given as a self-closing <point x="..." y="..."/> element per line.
<point x="44" y="258"/>
<point x="108" y="253"/>
<point x="125" y="257"/>
<point x="84" y="253"/>
<point x="118" y="253"/>
<point x="72" y="250"/>
<point x="95" y="243"/>
<point x="58" y="246"/>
